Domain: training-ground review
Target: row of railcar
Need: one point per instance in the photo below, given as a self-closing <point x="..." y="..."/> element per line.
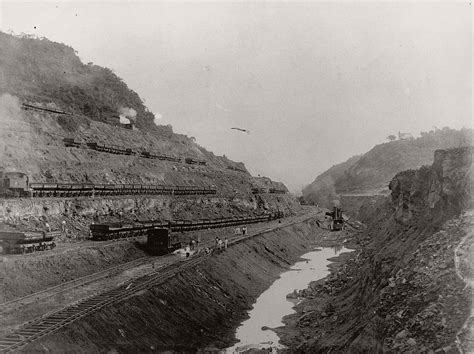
<point x="233" y="168"/>
<point x="260" y="190"/>
<point x="277" y="191"/>
<point x="120" y="150"/>
<point x="20" y="242"/>
<point x="193" y="161"/>
<point x="86" y="189"/>
<point x="108" y="231"/>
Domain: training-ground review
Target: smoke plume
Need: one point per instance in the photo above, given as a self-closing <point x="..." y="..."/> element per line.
<point x="15" y="131"/>
<point x="9" y="108"/>
<point x="127" y="115"/>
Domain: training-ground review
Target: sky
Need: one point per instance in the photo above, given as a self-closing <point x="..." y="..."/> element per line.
<point x="315" y="83"/>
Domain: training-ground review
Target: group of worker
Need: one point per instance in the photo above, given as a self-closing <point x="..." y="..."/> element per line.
<point x="220" y="244"/>
<point x="240" y="231"/>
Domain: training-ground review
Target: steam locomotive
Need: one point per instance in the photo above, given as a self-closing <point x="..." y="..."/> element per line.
<point x="13" y="184"/>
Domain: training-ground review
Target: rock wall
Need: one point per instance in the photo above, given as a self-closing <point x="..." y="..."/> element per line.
<point x="401" y="292"/>
<point x="356" y="206"/>
<point x="437" y="192"/>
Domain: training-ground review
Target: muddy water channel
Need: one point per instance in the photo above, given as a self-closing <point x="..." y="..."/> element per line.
<point x="272" y="305"/>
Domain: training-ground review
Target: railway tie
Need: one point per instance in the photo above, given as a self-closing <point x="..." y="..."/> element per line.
<point x="52" y="322"/>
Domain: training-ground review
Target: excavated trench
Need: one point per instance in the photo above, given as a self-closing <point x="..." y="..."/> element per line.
<point x="197" y="309"/>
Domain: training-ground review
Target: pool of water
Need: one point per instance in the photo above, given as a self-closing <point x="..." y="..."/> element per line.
<point x="272" y="305"/>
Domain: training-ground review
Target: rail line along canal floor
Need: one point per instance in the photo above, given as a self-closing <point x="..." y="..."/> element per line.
<point x="64" y="303"/>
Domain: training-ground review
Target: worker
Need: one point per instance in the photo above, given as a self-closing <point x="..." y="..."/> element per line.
<point x="48" y="227"/>
<point x="63" y="226"/>
<point x="226" y="243"/>
<point x="244" y="230"/>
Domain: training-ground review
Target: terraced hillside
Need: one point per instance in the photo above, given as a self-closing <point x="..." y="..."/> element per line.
<point x="50" y="76"/>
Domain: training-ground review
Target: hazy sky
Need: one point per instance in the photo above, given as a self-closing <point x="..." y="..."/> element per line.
<point x="315" y="83"/>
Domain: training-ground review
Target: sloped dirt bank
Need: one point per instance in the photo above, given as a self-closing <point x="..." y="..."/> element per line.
<point x="199" y="308"/>
<point x="25" y="275"/>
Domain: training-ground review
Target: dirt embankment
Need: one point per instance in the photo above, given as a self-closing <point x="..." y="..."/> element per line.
<point x="198" y="308"/>
<point x="25" y="275"/>
<point x="79" y="213"/>
<point x="401" y="292"/>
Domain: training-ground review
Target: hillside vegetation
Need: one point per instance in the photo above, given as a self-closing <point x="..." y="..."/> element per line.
<point x="371" y="172"/>
<point x="40" y="70"/>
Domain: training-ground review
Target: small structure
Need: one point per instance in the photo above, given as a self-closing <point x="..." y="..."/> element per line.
<point x="405" y="136"/>
<point x="15" y="184"/>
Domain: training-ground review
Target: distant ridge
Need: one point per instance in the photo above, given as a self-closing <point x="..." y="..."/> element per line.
<point x="372" y="171"/>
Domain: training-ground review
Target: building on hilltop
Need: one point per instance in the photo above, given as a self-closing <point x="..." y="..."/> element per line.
<point x="405" y="136"/>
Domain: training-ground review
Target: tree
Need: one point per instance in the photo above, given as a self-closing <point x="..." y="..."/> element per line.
<point x="391" y="137"/>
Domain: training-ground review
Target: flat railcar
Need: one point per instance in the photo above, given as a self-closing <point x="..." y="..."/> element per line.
<point x="110" y="189"/>
<point x="20" y="242"/>
<point x="109" y="231"/>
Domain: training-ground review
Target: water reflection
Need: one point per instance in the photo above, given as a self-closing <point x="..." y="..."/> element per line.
<point x="272" y="305"/>
<point x="337" y="248"/>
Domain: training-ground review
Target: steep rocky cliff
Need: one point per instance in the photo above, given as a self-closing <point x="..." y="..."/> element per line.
<point x="401" y="292"/>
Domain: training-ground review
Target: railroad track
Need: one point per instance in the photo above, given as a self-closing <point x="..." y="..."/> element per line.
<point x="54" y="321"/>
<point x="72" y="284"/>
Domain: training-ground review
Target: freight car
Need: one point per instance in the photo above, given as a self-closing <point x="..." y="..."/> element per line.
<point x="259" y="190"/>
<point x="71" y="142"/>
<point x="110" y="231"/>
<point x="111" y="149"/>
<point x="233" y="168"/>
<point x="193" y="161"/>
<point x="16" y="242"/>
<point x="277" y="191"/>
<point x="119" y="150"/>
<point x="150" y="155"/>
